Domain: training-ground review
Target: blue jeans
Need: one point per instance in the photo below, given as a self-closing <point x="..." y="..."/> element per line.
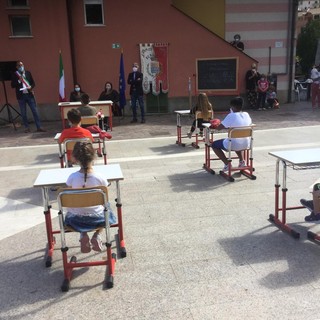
<point x="134" y="98"/>
<point x="29" y="99"/>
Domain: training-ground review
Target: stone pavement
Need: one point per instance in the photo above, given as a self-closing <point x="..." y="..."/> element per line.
<point x="198" y="247"/>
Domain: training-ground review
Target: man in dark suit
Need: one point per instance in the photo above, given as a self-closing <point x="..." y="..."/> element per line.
<point x="136" y="92"/>
<point x="23" y="82"/>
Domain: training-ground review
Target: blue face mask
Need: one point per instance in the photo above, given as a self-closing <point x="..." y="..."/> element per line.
<point x="21" y="69"/>
<point x="77" y="89"/>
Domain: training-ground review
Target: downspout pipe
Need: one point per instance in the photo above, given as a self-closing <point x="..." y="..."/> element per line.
<point x="72" y="49"/>
<point x="293" y="11"/>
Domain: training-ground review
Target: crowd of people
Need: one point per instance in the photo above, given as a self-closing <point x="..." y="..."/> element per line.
<point x="261" y="92"/>
<point x="23" y="83"/>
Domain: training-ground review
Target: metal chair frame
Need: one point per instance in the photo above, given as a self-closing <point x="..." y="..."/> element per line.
<point x="233" y="133"/>
<point x="68" y="145"/>
<point x="87" y="121"/>
<point x="79" y="198"/>
<point x="198" y="115"/>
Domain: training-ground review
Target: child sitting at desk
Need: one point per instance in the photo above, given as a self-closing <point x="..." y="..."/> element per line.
<point x="236" y="118"/>
<point x="85" y="109"/>
<point x="75" y="131"/>
<point x="205" y="107"/>
<point x="86" y="219"/>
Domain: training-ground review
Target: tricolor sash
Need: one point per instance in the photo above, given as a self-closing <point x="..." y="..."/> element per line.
<point x="24" y="81"/>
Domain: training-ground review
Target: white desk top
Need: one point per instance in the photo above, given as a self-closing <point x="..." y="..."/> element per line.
<point x="299" y="157"/>
<point x="92" y="103"/>
<point x="58" y="177"/>
<point x="182" y="111"/>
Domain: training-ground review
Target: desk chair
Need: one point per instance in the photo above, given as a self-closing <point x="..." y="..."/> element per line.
<point x="234" y="133"/>
<point x="66" y="147"/>
<point x="87" y="121"/>
<point x="301" y="92"/>
<point x="79" y="198"/>
<point x="198" y="115"/>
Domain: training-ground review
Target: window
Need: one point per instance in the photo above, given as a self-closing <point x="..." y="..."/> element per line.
<point x="20" y="26"/>
<point x="93" y="12"/>
<point x="18" y="3"/>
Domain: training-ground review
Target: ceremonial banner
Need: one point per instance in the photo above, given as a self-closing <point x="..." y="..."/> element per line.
<point x="154" y="66"/>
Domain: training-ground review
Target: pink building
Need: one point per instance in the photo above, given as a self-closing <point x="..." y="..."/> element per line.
<point x="92" y="33"/>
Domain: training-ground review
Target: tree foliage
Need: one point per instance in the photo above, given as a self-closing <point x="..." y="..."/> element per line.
<point x="307" y="45"/>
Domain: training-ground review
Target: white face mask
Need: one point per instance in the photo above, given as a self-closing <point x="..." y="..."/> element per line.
<point x="77" y="89"/>
<point x="231" y="110"/>
<point x="134" y="69"/>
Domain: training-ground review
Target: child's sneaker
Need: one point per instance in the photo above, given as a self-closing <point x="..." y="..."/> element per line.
<point x="242" y="164"/>
<point x="96" y="242"/>
<point x="189" y="134"/>
<point x="307" y="204"/>
<point x="312" y="217"/>
<point x="84" y="243"/>
<point x="225" y="168"/>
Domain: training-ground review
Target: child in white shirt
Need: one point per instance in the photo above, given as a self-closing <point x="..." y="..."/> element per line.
<point x="90" y="218"/>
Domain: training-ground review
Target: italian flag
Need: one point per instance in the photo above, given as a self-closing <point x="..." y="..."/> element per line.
<point x="62" y="93"/>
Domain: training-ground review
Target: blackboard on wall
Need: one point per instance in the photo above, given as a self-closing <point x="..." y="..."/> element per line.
<point x="220" y="74"/>
<point x="7" y="68"/>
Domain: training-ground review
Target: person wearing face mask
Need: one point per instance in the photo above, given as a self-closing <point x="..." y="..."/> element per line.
<point x="23" y="82"/>
<point x="136" y="92"/>
<point x="75" y="96"/>
<point x="263" y="85"/>
<point x="236" y="118"/>
<point x="252" y="77"/>
<point x="110" y="94"/>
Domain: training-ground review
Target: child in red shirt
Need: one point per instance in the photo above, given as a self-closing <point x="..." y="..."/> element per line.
<point x="75" y="131"/>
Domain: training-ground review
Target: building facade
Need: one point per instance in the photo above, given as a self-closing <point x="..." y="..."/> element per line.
<point x="92" y="33"/>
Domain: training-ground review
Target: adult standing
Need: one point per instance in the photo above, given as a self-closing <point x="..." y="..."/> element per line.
<point x="315" y="87"/>
<point x="252" y="76"/>
<point x="23" y="82"/>
<point x="136" y="92"/>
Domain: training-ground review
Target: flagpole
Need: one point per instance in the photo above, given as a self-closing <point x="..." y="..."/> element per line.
<point x="122" y="85"/>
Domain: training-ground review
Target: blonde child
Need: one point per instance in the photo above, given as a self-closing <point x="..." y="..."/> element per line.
<point x="205" y="107"/>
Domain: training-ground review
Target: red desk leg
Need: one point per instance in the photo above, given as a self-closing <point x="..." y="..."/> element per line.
<point x="281" y="224"/>
<point x="207" y="159"/>
<point x="120" y="224"/>
<point x="48" y="221"/>
<point x="62" y="117"/>
<point x="110" y="118"/>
